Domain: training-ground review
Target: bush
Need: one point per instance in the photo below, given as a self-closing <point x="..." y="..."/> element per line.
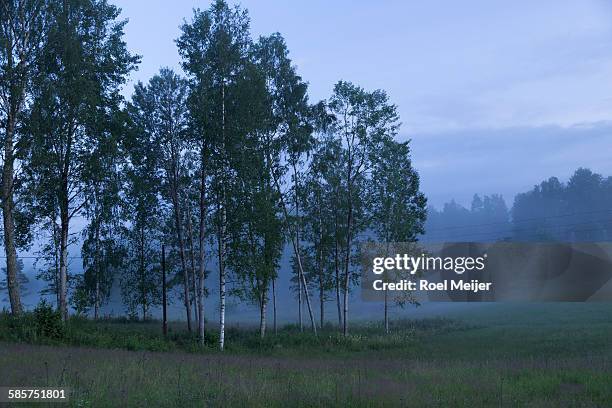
<point x="48" y="321"/>
<point x="15" y="328"/>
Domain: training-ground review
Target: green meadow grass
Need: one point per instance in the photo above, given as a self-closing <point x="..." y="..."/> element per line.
<point x="498" y="355"/>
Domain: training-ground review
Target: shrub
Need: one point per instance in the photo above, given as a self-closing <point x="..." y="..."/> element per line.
<point x="20" y="328"/>
<point x="48" y="321"/>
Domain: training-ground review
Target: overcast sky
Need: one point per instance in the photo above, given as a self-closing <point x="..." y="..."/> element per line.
<point x="496" y="96"/>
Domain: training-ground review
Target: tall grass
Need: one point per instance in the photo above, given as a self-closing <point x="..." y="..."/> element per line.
<point x="504" y="356"/>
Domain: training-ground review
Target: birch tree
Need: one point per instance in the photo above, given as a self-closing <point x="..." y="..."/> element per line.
<point x="363" y="120"/>
<point x="144" y="214"/>
<point x="84" y="65"/>
<point x="327" y="174"/>
<point x="160" y="113"/>
<point x="100" y="251"/>
<point x="23" y="29"/>
<point x="214" y="47"/>
<point x="289" y="140"/>
<point x="398" y="209"/>
<point x="319" y="225"/>
<point x="256" y="236"/>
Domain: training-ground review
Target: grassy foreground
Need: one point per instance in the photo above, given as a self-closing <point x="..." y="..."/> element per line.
<point x="501" y="355"/>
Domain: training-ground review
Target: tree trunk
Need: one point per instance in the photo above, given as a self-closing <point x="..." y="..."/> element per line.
<point x="321" y="282"/>
<point x="347" y="259"/>
<point x="9" y="223"/>
<point x="322" y="305"/>
<point x="15" y="98"/>
<point x="56" y="259"/>
<point x="262" y="313"/>
<point x="193" y="271"/>
<point x="300" y="319"/>
<point x="63" y="278"/>
<point x="181" y="244"/>
<point x="345" y="301"/>
<point x="141" y="268"/>
<point x="297" y="253"/>
<point x="97" y="301"/>
<point x="303" y="280"/>
<point x="274" y="304"/>
<point x="386" y="312"/>
<point x="386" y="279"/>
<point x="221" y="250"/>
<point x="297" y="240"/>
<point x="337" y="263"/>
<point x="222" y="226"/>
<point x="97" y="271"/>
<point x="321" y="267"/>
<point x="338" y="302"/>
<point x="346" y="273"/>
<point x="65" y="215"/>
<point x="164" y="296"/>
<point x="202" y="247"/>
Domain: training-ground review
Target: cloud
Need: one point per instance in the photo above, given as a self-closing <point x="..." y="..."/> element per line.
<point x="458" y="164"/>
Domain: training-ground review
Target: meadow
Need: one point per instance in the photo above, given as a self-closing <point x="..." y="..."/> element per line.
<point x="498" y="355"/>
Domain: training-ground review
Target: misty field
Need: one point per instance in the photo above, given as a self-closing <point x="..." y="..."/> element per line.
<point x="493" y="355"/>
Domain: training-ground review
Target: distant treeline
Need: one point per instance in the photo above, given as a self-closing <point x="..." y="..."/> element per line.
<point x="578" y="210"/>
<point x="224" y="167"/>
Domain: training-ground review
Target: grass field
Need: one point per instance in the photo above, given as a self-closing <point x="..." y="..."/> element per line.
<point x="494" y="355"/>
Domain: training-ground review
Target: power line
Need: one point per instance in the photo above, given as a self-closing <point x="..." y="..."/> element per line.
<point x="492" y="234"/>
<point x="537" y="235"/>
<point x="497" y="234"/>
<point x="578" y="224"/>
<point x="39" y="257"/>
<point x="522" y="220"/>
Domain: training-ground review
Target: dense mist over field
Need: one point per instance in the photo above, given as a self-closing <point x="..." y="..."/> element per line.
<point x="487" y="218"/>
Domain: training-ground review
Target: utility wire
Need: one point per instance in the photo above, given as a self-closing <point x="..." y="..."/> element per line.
<point x="511" y="230"/>
<point x="521" y="220"/>
<point x="39" y="257"/>
<point x="498" y="234"/>
<point x="493" y="234"/>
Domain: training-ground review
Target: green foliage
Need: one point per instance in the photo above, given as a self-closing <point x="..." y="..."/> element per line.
<point x="73" y="124"/>
<point x="237" y="136"/>
<point x="45" y="325"/>
<point x="158" y="172"/>
<point x="21" y="277"/>
<point x="398" y="207"/>
<point x="555" y="211"/>
<point x="21" y="328"/>
<point x="48" y="321"/>
<point x="42" y="325"/>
